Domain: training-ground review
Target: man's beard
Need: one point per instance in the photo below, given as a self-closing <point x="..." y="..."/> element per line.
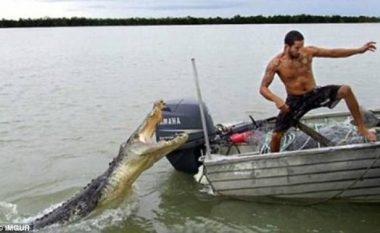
<point x="294" y="55"/>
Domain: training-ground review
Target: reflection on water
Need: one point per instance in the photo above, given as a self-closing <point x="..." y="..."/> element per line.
<point x="183" y="208"/>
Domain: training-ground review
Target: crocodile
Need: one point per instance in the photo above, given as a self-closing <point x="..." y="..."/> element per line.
<point x="135" y="155"/>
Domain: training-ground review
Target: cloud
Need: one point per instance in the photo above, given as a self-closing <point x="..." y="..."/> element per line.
<point x="160" y="5"/>
<point x="151" y="8"/>
<point x="203" y="5"/>
<point x="180" y="8"/>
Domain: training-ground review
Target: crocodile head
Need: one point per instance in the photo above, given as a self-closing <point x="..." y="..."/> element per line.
<point x="138" y="154"/>
<point x="140" y="145"/>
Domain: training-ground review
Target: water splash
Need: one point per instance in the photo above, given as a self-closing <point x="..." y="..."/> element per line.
<point x="8" y="211"/>
<point x="93" y="223"/>
<point x="108" y="218"/>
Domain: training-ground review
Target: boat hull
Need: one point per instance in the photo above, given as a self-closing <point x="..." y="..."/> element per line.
<point x="349" y="173"/>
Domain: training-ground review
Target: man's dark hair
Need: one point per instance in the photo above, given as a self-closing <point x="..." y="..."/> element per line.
<point x="293" y="36"/>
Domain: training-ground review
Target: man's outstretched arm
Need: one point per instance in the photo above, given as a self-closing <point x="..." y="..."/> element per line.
<point x="342" y="52"/>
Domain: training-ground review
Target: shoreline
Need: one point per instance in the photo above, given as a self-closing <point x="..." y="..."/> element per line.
<point x="176" y="21"/>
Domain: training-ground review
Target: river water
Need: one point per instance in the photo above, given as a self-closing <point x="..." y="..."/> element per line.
<point x="70" y="96"/>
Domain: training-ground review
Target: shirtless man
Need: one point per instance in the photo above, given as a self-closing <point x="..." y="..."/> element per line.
<point x="293" y="66"/>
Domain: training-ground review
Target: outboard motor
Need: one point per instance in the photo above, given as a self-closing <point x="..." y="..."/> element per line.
<point x="184" y="116"/>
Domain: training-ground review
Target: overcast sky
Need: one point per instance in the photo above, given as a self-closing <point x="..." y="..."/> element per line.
<point x="14" y="9"/>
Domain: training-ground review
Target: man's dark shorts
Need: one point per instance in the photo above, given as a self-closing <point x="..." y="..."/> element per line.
<point x="300" y="104"/>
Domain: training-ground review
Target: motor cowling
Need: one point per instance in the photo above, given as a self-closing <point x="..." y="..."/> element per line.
<point x="184" y="116"/>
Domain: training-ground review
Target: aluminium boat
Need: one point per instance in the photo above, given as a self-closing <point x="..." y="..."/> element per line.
<point x="239" y="163"/>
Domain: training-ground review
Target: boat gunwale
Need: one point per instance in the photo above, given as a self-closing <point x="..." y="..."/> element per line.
<point x="333" y="114"/>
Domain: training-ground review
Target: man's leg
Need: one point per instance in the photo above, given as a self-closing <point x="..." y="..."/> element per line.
<point x="276" y="141"/>
<point x="345" y="92"/>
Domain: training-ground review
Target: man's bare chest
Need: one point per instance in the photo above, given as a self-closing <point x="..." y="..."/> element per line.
<point x="295" y="68"/>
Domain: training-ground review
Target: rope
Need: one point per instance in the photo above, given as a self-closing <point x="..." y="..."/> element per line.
<point x="265" y="147"/>
<point x="305" y="143"/>
<point x="346" y="138"/>
<point x="288" y="140"/>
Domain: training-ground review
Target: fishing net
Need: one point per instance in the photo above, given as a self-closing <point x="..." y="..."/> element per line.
<point x="338" y="133"/>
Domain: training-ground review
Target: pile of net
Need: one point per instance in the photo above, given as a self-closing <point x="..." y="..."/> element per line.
<point x="338" y="133"/>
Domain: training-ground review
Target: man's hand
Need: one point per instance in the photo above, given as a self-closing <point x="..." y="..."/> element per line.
<point x="284" y="107"/>
<point x="370" y="46"/>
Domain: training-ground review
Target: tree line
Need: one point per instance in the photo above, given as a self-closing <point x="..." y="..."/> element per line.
<point x="259" y="19"/>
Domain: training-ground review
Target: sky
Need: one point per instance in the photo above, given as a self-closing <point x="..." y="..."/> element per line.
<point x="15" y="9"/>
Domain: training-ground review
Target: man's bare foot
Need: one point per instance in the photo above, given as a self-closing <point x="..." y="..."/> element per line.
<point x="368" y="134"/>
